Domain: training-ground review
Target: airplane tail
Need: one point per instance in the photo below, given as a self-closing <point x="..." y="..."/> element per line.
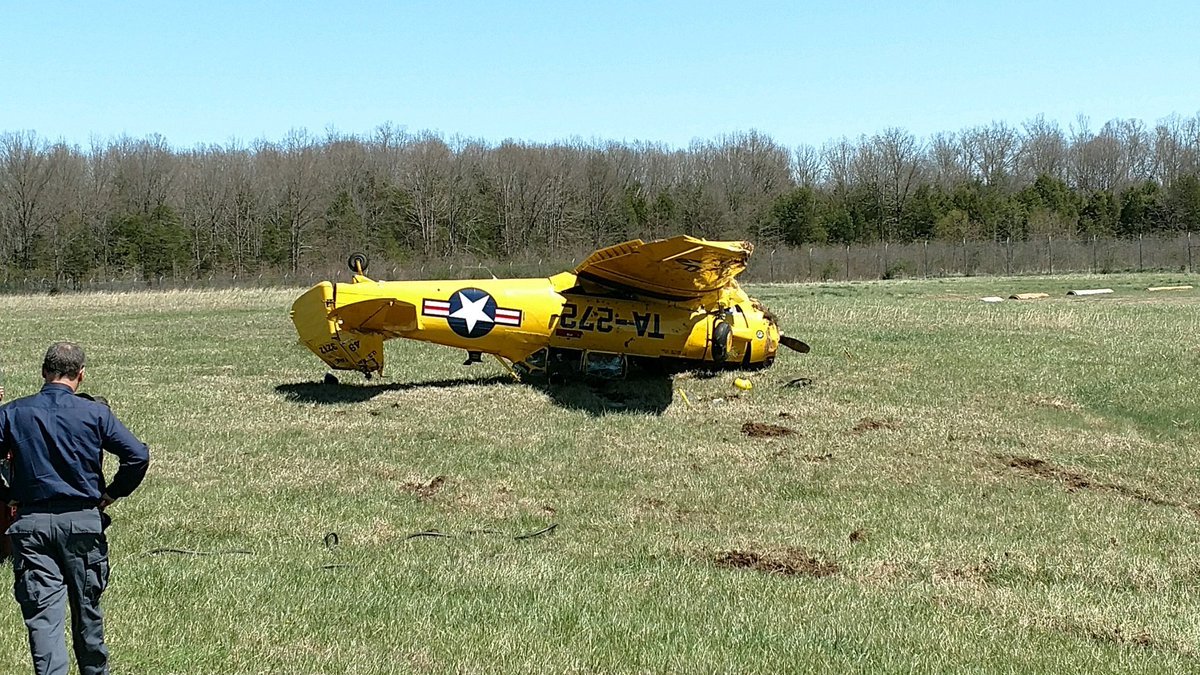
<point x="341" y="348"/>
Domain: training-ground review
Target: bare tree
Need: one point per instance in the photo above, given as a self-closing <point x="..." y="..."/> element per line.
<point x="900" y="159"/>
<point x="947" y="160"/>
<point x="806" y="166"/>
<point x="295" y="190"/>
<point x="26" y="172"/>
<point x="838" y="158"/>
<point x="991" y="153"/>
<point x="1043" y="150"/>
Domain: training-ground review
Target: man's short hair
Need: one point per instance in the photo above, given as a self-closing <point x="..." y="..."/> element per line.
<point x="63" y="359"/>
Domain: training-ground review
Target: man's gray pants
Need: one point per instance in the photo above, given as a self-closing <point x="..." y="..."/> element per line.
<point x="60" y="557"/>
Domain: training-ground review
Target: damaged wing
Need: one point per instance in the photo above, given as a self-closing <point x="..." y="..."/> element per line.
<point x="679" y="268"/>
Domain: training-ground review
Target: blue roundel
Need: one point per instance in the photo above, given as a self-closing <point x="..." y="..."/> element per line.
<point x="472" y="313"/>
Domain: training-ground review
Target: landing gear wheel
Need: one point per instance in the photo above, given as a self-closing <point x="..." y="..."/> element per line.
<point x="357" y="263"/>
<point x="720" y="341"/>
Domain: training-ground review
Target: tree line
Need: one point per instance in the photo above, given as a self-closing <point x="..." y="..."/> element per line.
<point x="140" y="207"/>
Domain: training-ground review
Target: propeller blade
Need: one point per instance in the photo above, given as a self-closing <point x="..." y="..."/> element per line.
<point x="794" y="344"/>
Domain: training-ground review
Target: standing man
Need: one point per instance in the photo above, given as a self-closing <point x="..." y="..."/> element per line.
<point x="60" y="554"/>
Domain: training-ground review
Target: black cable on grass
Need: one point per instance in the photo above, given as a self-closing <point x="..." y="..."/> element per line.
<point x="184" y="551"/>
<point x="447" y="535"/>
<point x="331" y="541"/>
<point x="545" y="530"/>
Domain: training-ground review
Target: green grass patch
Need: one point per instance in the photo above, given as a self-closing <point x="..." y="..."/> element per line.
<point x="969" y="487"/>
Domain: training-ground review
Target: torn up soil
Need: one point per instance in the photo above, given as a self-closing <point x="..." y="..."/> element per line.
<point x="1111" y="634"/>
<point x="426" y="490"/>
<point x="1074" y="480"/>
<point x="761" y="430"/>
<point x="789" y="562"/>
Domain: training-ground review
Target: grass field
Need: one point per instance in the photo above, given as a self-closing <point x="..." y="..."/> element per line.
<point x="968" y="487"/>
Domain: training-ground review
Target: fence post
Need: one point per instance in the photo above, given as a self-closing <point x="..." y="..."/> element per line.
<point x="1140" y="253"/>
<point x="1095" y="264"/>
<point x="963" y="270"/>
<point x="1189" y="244"/>
<point x="772" y="264"/>
<point x="1050" y="250"/>
<point x="810" y="272"/>
<point x="883" y="274"/>
<point x="1008" y="255"/>
<point x="847" y="262"/>
<point x="925" y="250"/>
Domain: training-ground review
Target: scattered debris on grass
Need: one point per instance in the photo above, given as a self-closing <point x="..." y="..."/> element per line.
<point x="799" y="382"/>
<point x="425" y="490"/>
<point x="870" y="424"/>
<point x="789" y="562"/>
<point x="761" y="430"/>
<point x="784" y="415"/>
<point x="1154" y="289"/>
<point x="827" y="457"/>
<point x="858" y="535"/>
<point x="1091" y="291"/>
<point x="992" y="298"/>
<point x="1028" y="296"/>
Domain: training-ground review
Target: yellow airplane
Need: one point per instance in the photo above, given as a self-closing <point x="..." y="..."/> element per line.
<point x="670" y="304"/>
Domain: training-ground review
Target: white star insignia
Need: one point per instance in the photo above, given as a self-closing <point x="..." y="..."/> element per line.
<point x="472" y="312"/>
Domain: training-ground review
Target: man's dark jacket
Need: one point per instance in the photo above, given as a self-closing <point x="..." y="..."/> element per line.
<point x="56" y="439"/>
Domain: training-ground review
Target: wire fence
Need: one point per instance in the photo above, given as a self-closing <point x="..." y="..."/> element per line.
<point x="921" y="259"/>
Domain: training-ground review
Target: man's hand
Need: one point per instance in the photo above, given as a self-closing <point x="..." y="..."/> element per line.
<point x="105" y="501"/>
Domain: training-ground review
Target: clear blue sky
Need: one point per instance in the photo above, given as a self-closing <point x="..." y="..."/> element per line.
<point x="669" y="72"/>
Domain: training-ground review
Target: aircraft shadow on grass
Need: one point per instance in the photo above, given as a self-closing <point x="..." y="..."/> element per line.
<point x="644" y="394"/>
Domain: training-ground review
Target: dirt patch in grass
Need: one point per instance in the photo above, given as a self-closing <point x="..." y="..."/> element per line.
<point x="425" y="490"/>
<point x="1133" y="637"/>
<point x="761" y="430"/>
<point x="660" y="507"/>
<point x="976" y="573"/>
<point x="870" y="424"/>
<point x="827" y="457"/>
<point x="789" y="562"/>
<point x="1075" y="480"/>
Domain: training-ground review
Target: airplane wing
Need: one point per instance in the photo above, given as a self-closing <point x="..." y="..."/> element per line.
<point x="679" y="268"/>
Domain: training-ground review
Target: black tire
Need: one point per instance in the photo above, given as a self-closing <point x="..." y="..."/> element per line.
<point x="720" y="341"/>
<point x="357" y="263"/>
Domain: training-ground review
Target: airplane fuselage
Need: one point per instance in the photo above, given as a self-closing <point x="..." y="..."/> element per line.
<point x="537" y="325"/>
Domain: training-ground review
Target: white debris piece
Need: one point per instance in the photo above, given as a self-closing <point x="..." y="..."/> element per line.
<point x="1091" y="291"/>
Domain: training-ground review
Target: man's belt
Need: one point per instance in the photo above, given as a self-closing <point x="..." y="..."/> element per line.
<point x="57" y="505"/>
